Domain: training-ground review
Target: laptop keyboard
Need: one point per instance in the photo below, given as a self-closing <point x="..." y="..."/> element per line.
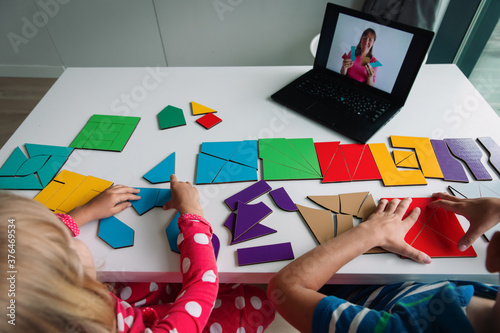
<point x="350" y="100"/>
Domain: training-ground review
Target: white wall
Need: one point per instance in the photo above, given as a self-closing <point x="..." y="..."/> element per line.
<point x="40" y="38"/>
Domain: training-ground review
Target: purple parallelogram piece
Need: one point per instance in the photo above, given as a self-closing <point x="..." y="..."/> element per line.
<point x="451" y="168"/>
<point x="493" y="149"/>
<point x="216" y="245"/>
<point x="468" y="151"/>
<point x="266" y="253"/>
<point x="248" y="216"/>
<point x="283" y="200"/>
<point x="248" y="194"/>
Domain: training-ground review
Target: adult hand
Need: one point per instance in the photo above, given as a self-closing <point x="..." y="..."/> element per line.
<point x="389" y="228"/>
<point x="185" y="198"/>
<point x="482" y="214"/>
<point x="107" y="203"/>
<point x="346" y="64"/>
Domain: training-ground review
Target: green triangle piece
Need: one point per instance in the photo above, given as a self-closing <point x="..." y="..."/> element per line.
<point x="275" y="171"/>
<point x="306" y="149"/>
<point x="273" y="154"/>
<point x="170" y="117"/>
<point x="13" y="163"/>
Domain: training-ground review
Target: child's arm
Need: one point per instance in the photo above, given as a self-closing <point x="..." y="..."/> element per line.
<point x="109" y="202"/>
<point x="293" y="290"/>
<point x="482" y="213"/>
<point x="200" y="282"/>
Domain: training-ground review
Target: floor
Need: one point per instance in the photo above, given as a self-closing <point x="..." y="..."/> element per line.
<point x="18" y="96"/>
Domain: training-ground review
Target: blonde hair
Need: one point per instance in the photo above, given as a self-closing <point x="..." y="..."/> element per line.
<point x="52" y="291"/>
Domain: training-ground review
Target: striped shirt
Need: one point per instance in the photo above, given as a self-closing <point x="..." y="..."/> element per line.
<point x="401" y="307"/>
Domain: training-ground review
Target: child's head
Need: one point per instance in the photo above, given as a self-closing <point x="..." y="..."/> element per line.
<point x="52" y="289"/>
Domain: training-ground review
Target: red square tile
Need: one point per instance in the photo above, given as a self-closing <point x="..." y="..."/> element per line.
<point x="209" y="120"/>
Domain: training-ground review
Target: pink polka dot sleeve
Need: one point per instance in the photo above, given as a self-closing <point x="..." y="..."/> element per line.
<point x="200" y="282"/>
<point x="70" y="223"/>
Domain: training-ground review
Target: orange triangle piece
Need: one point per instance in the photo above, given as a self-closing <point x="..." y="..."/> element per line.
<point x="320" y="222"/>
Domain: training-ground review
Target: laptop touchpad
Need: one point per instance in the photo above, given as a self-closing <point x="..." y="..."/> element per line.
<point x="323" y="113"/>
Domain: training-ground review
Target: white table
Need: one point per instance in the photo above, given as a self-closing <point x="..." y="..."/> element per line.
<point x="442" y="104"/>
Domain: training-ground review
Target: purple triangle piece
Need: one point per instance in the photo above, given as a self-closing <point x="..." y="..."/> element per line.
<point x="451" y="168"/>
<point x="216" y="245"/>
<point x="230" y="222"/>
<point x="266" y="253"/>
<point x="253" y="191"/>
<point x="468" y="151"/>
<point x="248" y="216"/>
<point x="283" y="200"/>
<point x="494" y="151"/>
<point x="256" y="231"/>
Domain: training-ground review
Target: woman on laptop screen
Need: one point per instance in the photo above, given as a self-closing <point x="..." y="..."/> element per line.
<point x="357" y="66"/>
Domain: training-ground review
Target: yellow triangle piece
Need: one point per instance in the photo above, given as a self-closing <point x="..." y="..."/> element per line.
<point x="405" y="159"/>
<point x="200" y="109"/>
<point x="425" y="153"/>
<point x="320" y="222"/>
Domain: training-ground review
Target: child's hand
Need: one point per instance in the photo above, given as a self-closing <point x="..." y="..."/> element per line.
<point x="107" y="203"/>
<point x="389" y="228"/>
<point x="482" y="213"/>
<point x="185" y="198"/>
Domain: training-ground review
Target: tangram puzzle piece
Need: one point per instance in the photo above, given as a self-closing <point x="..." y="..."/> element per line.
<point x="493" y="150"/>
<point x="103" y="132"/>
<point x="367" y="208"/>
<point x="405" y="159"/>
<point x="161" y="172"/>
<point x="69" y="189"/>
<point x="248" y="194"/>
<point x="266" y="253"/>
<point x="467" y="150"/>
<point x="216" y="245"/>
<point x="325" y="152"/>
<point x="173" y="232"/>
<point x="150" y="198"/>
<point x="200" y="109"/>
<point x="353" y="53"/>
<point x="478" y="190"/>
<point x="344" y="223"/>
<point x="230" y="161"/>
<point x="170" y="117"/>
<point x="390" y="174"/>
<point x="283" y="200"/>
<point x="331" y="202"/>
<point x="209" y="120"/>
<point x="425" y="153"/>
<point x="285" y="159"/>
<point x="319" y="221"/>
<point x="451" y="168"/>
<point x="436" y="231"/>
<point x="360" y="162"/>
<point x="256" y="231"/>
<point x="350" y="203"/>
<point x="115" y="233"/>
<point x="33" y="173"/>
<point x="248" y="216"/>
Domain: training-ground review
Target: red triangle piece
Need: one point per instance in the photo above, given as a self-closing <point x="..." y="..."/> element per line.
<point x="446" y="223"/>
<point x="352" y="154"/>
<point x="367" y="168"/>
<point x="337" y="172"/>
<point x="325" y="152"/>
<point x="436" y="245"/>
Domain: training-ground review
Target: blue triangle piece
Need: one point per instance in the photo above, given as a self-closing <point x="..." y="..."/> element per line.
<point x="32" y="165"/>
<point x="36" y="150"/>
<point x="161" y="172"/>
<point x="164" y="196"/>
<point x="116" y="233"/>
<point x="222" y="150"/>
<point x="487" y="192"/>
<point x="246" y="154"/>
<point x="13" y="163"/>
<point x="50" y="169"/>
<point x="248" y="216"/>
<point x="147" y="200"/>
<point x="173" y="232"/>
<point x="234" y="172"/>
<point x="29" y="182"/>
<point x="208" y="168"/>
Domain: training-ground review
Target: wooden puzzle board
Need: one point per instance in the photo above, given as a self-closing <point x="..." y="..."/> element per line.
<point x="241" y="98"/>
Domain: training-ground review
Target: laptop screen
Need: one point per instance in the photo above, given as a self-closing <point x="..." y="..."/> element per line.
<point x="357" y="42"/>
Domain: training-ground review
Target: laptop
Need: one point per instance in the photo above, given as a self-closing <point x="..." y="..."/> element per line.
<point x="364" y="69"/>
